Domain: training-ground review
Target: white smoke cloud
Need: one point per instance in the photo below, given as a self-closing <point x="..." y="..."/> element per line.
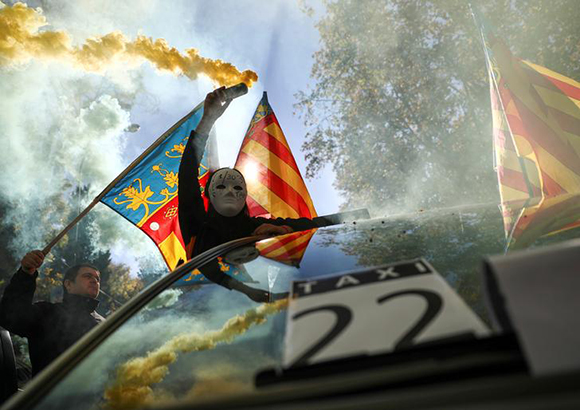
<point x="83" y="19"/>
<point x="164" y="300"/>
<point x="60" y="126"/>
<point x="56" y="132"/>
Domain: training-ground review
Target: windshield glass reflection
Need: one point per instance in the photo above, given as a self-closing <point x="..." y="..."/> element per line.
<point x="198" y="338"/>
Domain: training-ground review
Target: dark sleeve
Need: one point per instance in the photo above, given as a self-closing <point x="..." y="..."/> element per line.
<point x="191" y="208"/>
<point x="298" y="224"/>
<point x="17" y="312"/>
<point x="213" y="273"/>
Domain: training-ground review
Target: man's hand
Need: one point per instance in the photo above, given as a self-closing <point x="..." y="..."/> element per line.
<point x="257" y="295"/>
<point x="213" y="107"/>
<point x="272" y="230"/>
<point x="32" y="261"/>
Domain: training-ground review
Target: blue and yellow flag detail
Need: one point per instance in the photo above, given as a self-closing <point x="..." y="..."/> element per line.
<point x="196" y="277"/>
<point x="147" y="195"/>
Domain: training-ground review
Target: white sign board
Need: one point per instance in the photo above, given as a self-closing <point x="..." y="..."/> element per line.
<point x="375" y="311"/>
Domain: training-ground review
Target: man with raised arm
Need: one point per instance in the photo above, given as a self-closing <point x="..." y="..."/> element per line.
<point x="51" y="328"/>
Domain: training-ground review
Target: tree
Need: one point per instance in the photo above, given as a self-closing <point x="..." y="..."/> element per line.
<point x="400" y="101"/>
<point x="120" y="285"/>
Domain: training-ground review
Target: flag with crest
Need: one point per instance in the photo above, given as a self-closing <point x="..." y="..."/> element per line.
<point x="147" y="195"/>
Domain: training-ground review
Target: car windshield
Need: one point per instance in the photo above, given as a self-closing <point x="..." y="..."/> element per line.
<point x="430" y="134"/>
<point x="198" y="339"/>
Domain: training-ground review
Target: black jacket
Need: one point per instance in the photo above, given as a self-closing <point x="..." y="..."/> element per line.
<point x="51" y="328"/>
<point x="209" y="229"/>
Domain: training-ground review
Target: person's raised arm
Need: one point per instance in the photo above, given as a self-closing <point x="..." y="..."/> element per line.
<point x="191" y="208"/>
<point x="18" y="314"/>
<point x="215" y="104"/>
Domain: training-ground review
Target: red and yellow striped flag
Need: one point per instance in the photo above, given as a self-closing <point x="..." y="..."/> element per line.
<point x="275" y="185"/>
<point x="536" y="124"/>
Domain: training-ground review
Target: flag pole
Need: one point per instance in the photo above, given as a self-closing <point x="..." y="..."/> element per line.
<point x="122" y="175"/>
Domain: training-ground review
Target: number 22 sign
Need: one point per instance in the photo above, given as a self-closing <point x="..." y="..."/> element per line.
<point x="373" y="311"/>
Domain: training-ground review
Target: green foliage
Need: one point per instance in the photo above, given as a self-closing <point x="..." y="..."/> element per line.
<point x="121" y="286"/>
<point x="78" y="246"/>
<point x="400" y="101"/>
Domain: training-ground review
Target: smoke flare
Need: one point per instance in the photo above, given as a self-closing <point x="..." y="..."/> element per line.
<point x="21" y="40"/>
<point x="132" y="387"/>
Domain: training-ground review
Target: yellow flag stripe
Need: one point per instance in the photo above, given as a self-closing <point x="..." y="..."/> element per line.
<point x="553" y="74"/>
<point x="532" y="172"/>
<point x="265" y="157"/>
<point x="172" y="250"/>
<point x="524" y="148"/>
<point x="269" y="200"/>
<point x="561" y="174"/>
<point x="520" y="88"/>
<point x="510" y="194"/>
<point x="511" y="109"/>
<point x="287" y="247"/>
<point x="510" y="160"/>
<point x="559" y="101"/>
<point x="274" y="130"/>
<point x="549" y="121"/>
<point x="574" y="141"/>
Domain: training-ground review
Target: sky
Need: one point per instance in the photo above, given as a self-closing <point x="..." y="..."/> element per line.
<point x="63" y="123"/>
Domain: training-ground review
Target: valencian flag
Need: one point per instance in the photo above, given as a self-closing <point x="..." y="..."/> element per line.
<point x="275" y="186"/>
<point x="536" y="127"/>
<point x="147" y="195"/>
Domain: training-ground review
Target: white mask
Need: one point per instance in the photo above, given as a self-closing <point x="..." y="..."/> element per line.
<point x="227" y="192"/>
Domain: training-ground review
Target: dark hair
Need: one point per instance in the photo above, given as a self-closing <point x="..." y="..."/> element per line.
<point x="211" y="210"/>
<point x="72" y="272"/>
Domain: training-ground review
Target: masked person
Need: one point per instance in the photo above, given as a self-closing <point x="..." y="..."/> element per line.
<point x="50" y="328"/>
<point x="227" y="217"/>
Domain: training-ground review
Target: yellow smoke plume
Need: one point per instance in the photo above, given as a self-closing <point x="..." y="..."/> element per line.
<point x="221" y="378"/>
<point x="21" y="40"/>
<point x="132" y="386"/>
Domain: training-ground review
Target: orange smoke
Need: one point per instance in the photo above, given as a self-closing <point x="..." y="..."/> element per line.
<point x="21" y="41"/>
<point x="132" y="387"/>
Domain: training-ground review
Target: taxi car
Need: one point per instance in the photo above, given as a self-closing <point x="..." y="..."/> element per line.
<point x="185" y="342"/>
